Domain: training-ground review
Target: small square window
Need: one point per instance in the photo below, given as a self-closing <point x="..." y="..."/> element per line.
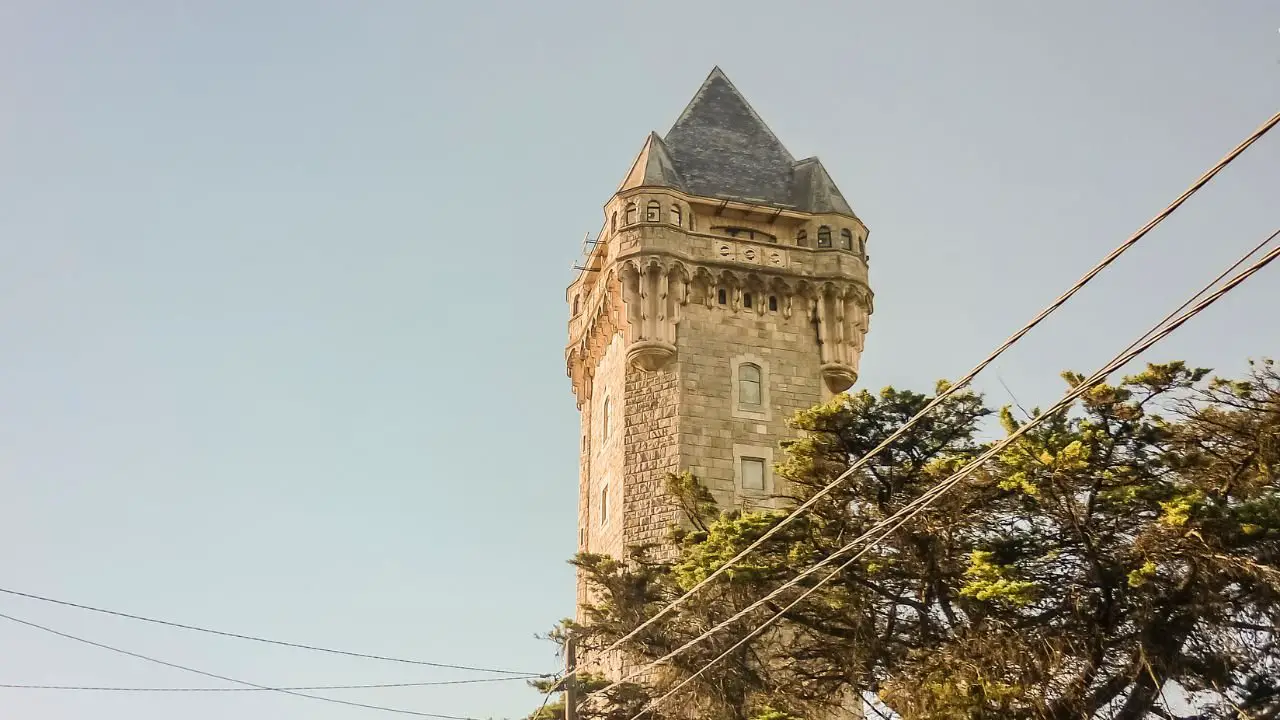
<point x="752" y="473"/>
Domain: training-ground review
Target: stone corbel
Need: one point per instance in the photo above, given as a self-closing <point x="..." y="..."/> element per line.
<point x="836" y="371"/>
<point x="649" y="336"/>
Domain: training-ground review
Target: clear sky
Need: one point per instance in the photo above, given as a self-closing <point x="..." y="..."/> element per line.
<point x="281" y="286"/>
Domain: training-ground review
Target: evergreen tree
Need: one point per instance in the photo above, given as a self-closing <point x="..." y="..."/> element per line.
<point x="1106" y="557"/>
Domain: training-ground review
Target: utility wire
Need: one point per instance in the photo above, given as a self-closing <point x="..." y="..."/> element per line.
<point x="1151" y="337"/>
<point x="373" y="686"/>
<point x="962" y="382"/>
<point x="215" y="676"/>
<point x="943" y="486"/>
<point x="299" y="646"/>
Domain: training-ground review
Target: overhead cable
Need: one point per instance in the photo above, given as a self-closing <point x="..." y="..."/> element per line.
<point x="215" y="676"/>
<point x="239" y="636"/>
<point x="1161" y="330"/>
<point x="370" y="686"/>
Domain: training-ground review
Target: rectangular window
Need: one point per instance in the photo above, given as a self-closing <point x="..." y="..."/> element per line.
<point x="749" y="379"/>
<point x="604" y="504"/>
<point x="752" y="473"/>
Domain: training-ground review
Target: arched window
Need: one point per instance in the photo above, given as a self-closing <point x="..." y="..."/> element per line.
<point x="613" y="221"/>
<point x="846" y="240"/>
<point x="630" y="217"/>
<point x="824" y="237"/>
<point x="575" y="304"/>
<point x="746" y="299"/>
<point x="802" y="238"/>
<point x="676" y="216"/>
<point x="653" y="212"/>
<point x="722" y="297"/>
<point x="749" y="384"/>
<point x="862" y="248"/>
<point x="604" y="419"/>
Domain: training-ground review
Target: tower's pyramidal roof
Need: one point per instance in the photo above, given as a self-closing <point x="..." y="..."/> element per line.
<point x="720" y="147"/>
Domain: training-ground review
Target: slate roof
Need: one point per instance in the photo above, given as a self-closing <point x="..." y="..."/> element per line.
<point x="719" y="147"/>
<point x="653" y="167"/>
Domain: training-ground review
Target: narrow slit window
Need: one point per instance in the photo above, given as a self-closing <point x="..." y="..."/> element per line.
<point x="604" y="420"/>
<point x="752" y="473"/>
<point x="749" y="378"/>
<point x="613" y="221"/>
<point x="604" y="504"/>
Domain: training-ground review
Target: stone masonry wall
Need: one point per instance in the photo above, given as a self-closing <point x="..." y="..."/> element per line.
<point x="608" y="471"/>
<point x="604" y="471"/>
<point x="652" y="451"/>
<point x="710" y="342"/>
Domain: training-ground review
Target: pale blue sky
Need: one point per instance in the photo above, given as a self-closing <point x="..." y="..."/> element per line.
<point x="281" y="285"/>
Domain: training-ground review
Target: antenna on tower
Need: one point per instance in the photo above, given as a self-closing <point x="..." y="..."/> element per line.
<point x="588" y="246"/>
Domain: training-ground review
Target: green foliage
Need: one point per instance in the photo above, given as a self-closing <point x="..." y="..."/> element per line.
<point x="1135" y="536"/>
<point x="985" y="580"/>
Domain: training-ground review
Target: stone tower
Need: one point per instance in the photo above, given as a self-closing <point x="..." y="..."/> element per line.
<point x="726" y="291"/>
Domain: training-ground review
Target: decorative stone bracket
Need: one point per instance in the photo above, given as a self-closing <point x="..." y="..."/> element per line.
<point x="842" y="320"/>
<point x="653" y="292"/>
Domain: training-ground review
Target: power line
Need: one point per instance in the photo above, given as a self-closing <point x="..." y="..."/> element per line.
<point x="1151" y="337"/>
<point x="371" y="686"/>
<point x="215" y="676"/>
<point x="961" y="383"/>
<point x="268" y="641"/>
<point x="943" y="486"/>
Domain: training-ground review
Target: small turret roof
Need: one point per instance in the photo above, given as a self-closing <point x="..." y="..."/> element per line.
<point x="653" y="167"/>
